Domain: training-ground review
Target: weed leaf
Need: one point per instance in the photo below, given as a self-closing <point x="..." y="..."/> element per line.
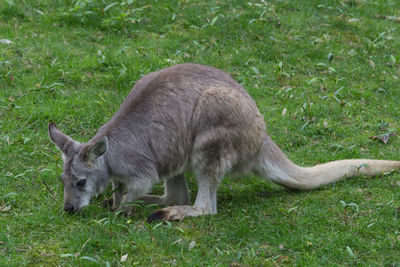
<point x="109" y="6"/>
<point x="350" y="251"/>
<point x="66" y="255"/>
<point x="89" y="259"/>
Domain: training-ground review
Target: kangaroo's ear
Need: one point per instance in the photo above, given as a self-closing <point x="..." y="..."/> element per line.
<point x="63" y="142"/>
<point x="90" y="152"/>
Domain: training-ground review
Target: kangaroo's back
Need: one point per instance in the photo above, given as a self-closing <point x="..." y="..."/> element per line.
<point x="171" y="91"/>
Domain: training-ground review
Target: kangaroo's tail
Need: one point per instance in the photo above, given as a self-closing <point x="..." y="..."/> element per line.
<point x="275" y="166"/>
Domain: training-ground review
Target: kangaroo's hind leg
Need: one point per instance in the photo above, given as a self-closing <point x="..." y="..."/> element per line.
<point x="212" y="157"/>
<point x="205" y="202"/>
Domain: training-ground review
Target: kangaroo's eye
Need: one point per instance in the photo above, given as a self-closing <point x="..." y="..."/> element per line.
<point x="81" y="183"/>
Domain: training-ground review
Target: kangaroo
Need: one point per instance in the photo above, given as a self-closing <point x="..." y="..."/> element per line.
<point x="185" y="117"/>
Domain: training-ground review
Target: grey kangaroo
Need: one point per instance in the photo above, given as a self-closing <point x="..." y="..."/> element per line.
<point x="185" y="117"/>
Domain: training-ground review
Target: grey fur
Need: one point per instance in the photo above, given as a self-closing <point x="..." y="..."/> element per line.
<point x="185" y="117"/>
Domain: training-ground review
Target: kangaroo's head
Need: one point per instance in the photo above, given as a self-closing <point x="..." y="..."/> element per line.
<point x="85" y="173"/>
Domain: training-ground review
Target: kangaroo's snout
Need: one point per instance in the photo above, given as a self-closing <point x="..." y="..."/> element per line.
<point x="69" y="208"/>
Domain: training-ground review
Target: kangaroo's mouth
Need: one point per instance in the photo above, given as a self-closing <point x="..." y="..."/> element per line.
<point x="70" y="208"/>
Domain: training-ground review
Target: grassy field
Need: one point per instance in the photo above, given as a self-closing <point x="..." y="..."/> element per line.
<point x="325" y="74"/>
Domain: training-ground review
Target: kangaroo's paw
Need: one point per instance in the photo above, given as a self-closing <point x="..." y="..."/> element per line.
<point x="107" y="204"/>
<point x="176" y="213"/>
<point x="125" y="210"/>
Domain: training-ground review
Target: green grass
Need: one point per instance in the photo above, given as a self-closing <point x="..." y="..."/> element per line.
<point x="334" y="66"/>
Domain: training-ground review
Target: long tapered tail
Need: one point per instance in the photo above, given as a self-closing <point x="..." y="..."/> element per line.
<point x="275" y="166"/>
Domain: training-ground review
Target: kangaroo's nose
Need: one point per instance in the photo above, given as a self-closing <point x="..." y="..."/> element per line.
<point x="69" y="208"/>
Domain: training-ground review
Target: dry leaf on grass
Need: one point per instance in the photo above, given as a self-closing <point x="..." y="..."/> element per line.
<point x="124" y="257"/>
<point x="384" y="138"/>
<point x="5" y="41"/>
<point x="391" y="18"/>
<point x="5" y="208"/>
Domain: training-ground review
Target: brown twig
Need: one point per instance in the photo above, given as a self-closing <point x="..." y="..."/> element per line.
<point x="276" y="17"/>
<point x="50" y="192"/>
<point x="272" y="9"/>
<point x="84" y="245"/>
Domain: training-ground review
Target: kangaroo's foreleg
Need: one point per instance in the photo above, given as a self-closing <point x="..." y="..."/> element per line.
<point x="175" y="193"/>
